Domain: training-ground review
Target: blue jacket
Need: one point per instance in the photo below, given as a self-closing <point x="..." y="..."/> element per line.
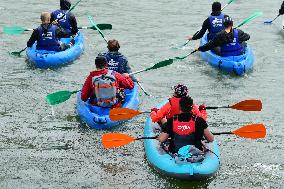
<point x="216" y="25"/>
<point x="47" y="39"/>
<point x="234" y="48"/>
<point x="64" y="22"/>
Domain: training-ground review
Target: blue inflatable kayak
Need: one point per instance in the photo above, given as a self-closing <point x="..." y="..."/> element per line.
<point x="168" y="165"/>
<point x="48" y="59"/>
<point x="98" y="117"/>
<point x="236" y="64"/>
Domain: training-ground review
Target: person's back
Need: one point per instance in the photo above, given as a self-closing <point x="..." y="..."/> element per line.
<point x="67" y="22"/>
<point x="213" y="24"/>
<point x="185" y="128"/>
<point x="103" y="85"/>
<point x="116" y="61"/>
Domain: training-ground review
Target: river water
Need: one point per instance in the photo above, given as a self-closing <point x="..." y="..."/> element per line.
<point x="41" y="148"/>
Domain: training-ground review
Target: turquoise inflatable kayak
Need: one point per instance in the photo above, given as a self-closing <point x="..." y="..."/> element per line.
<point x="98" y="117"/>
<point x="168" y="165"/>
<point x="49" y="59"/>
<point x="232" y="64"/>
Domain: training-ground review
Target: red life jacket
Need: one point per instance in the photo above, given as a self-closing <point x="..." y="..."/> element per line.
<point x="184" y="132"/>
<point x="175" y="108"/>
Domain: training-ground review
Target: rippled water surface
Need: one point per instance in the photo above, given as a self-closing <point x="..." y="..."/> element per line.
<point x="42" y="150"/>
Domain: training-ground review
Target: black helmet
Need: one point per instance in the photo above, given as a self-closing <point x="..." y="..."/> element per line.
<point x="216" y="6"/>
<point x="228" y="21"/>
<point x="65" y="4"/>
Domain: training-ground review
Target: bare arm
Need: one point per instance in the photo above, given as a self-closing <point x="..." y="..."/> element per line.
<point x="208" y="135"/>
<point x="163" y="137"/>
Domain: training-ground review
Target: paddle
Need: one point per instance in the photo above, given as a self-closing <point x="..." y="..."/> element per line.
<point x="13" y="30"/>
<point x="187" y="41"/>
<point x="95" y="25"/>
<point x="59" y="97"/>
<point x="270" y="21"/>
<point x="18" y="53"/>
<point x="114" y="140"/>
<point x="119" y="114"/>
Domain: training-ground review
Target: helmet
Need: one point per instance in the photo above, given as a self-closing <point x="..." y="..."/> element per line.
<point x="228" y="21"/>
<point x="216" y="6"/>
<point x="180" y="90"/>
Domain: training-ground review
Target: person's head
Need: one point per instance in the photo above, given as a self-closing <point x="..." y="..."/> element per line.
<point x="180" y="90"/>
<point x="65" y="4"/>
<point x="45" y="17"/>
<point x="100" y="62"/>
<point x="113" y="45"/>
<point x="228" y="22"/>
<point x="216" y="6"/>
<point x="186" y="103"/>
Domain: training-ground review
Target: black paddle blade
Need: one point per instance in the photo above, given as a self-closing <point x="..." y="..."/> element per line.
<point x="18" y="54"/>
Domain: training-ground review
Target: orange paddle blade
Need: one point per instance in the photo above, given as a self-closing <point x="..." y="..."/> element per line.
<point x="253" y="131"/>
<point x="118" y="114"/>
<point x="113" y="140"/>
<point x="248" y="105"/>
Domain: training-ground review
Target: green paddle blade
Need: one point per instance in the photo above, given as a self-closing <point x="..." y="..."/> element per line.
<point x="18" y="53"/>
<point x="161" y="64"/>
<point x="13" y="30"/>
<point x="103" y="27"/>
<point x="59" y="97"/>
<point x="255" y="15"/>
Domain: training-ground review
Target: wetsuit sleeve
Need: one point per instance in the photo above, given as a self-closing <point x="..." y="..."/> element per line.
<point x="33" y="38"/>
<point x="243" y="36"/>
<point x="86" y="89"/>
<point x="124" y="82"/>
<point x="60" y="33"/>
<point x="205" y="26"/>
<point x="168" y="127"/>
<point x="73" y="23"/>
<point x="161" y="113"/>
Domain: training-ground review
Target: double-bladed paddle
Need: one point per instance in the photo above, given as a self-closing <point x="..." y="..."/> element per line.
<point x="114" y="140"/>
<point x="270" y="21"/>
<point x="61" y="96"/>
<point x="187" y="41"/>
<point x="18" y="53"/>
<point x="13" y="30"/>
<point x="119" y="114"/>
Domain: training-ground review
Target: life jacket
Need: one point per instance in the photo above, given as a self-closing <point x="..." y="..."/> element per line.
<point x="116" y="61"/>
<point x="216" y="25"/>
<point x="234" y="48"/>
<point x="64" y="22"/>
<point x="175" y="108"/>
<point x="48" y="40"/>
<point x="184" y="132"/>
<point x="104" y="89"/>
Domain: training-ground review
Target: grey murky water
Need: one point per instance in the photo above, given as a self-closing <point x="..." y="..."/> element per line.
<point x="38" y="150"/>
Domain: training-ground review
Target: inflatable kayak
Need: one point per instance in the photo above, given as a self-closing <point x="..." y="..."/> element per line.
<point x="236" y="64"/>
<point x="98" y="117"/>
<point x="166" y="164"/>
<point x="48" y="59"/>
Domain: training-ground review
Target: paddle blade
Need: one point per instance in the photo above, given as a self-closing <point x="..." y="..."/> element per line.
<point x="252" y="131"/>
<point x="161" y="64"/>
<point x="268" y="22"/>
<point x="103" y="27"/>
<point x="13" y="30"/>
<point x="16" y="53"/>
<point x="58" y="97"/>
<point x="248" y="105"/>
<point x="119" y="114"/>
<point x="114" y="140"/>
<point x="255" y="15"/>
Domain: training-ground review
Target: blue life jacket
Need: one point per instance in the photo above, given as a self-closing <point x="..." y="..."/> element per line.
<point x="234" y="48"/>
<point x="116" y="61"/>
<point x="184" y="132"/>
<point x="64" y="22"/>
<point x="48" y="41"/>
<point x="216" y="25"/>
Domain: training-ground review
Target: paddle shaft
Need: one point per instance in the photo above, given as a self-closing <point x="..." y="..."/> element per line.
<point x="216" y="107"/>
<point x="95" y="25"/>
<point x="140" y="138"/>
<point x="221" y="133"/>
<point x="145" y="92"/>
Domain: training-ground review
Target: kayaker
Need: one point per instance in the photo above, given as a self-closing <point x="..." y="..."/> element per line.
<point x="214" y="23"/>
<point x="105" y="87"/>
<point x="231" y="41"/>
<point x="281" y="10"/>
<point x="68" y="22"/>
<point x="172" y="107"/>
<point x="185" y="128"/>
<point x="47" y="36"/>
<point x="116" y="61"/>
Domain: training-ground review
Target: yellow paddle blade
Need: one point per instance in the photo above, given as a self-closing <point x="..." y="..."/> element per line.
<point x="114" y="140"/>
<point x="119" y="114"/>
<point x="248" y="105"/>
<point x="253" y="131"/>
